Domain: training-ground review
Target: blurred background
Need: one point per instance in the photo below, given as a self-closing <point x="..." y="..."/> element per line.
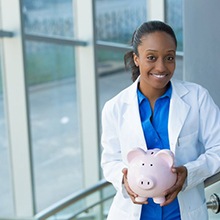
<point x="60" y="61"/>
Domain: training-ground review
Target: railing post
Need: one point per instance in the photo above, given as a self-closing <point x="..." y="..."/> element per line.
<point x="214" y="203"/>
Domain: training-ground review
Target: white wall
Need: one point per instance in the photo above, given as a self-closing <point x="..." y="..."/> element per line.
<point x="202" y="44"/>
<point x="202" y="54"/>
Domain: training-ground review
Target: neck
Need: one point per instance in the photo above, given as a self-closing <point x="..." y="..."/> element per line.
<point x="151" y="93"/>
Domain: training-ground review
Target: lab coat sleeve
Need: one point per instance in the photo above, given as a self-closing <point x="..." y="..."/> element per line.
<point x="111" y="159"/>
<point x="208" y="163"/>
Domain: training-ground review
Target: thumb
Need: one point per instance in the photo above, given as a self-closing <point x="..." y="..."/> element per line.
<point x="174" y="169"/>
<point x="125" y="171"/>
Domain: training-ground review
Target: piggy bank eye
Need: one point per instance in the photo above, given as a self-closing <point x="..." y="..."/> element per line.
<point x="151" y="164"/>
<point x="152" y="152"/>
<point x="142" y="164"/>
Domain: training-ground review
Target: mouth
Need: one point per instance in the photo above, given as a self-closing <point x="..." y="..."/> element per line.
<point x="159" y="76"/>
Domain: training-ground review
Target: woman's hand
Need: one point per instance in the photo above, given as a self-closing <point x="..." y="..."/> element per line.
<point x="128" y="189"/>
<point x="172" y="193"/>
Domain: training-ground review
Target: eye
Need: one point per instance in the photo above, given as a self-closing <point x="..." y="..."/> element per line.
<point x="170" y="58"/>
<point x="151" y="57"/>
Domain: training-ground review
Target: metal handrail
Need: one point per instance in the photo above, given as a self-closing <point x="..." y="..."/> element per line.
<point x="91" y="206"/>
<point x="17" y="218"/>
<point x="97" y="187"/>
<point x="73" y="198"/>
<point x="213" y="179"/>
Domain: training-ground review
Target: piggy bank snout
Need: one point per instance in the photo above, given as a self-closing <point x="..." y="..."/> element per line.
<point x="145" y="183"/>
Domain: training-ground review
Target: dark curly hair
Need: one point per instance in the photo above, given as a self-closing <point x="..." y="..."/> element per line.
<point x="145" y="28"/>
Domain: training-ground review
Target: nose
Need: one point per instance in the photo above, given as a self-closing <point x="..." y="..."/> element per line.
<point x="160" y="66"/>
<point x="146" y="183"/>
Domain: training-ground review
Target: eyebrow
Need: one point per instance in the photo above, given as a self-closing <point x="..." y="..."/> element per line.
<point x="151" y="50"/>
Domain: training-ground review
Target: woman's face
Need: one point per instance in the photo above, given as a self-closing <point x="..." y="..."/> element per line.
<point x="156" y="60"/>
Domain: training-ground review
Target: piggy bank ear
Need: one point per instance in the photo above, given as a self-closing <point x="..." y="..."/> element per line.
<point x="135" y="153"/>
<point x="167" y="156"/>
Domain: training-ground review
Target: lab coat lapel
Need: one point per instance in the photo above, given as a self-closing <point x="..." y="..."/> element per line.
<point x="177" y="115"/>
<point x="132" y="121"/>
<point x="179" y="110"/>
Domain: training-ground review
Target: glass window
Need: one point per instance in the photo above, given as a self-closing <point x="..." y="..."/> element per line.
<point x="116" y="20"/>
<point x="174" y="17"/>
<point x="51" y="17"/>
<point x="6" y="204"/>
<point x="53" y="105"/>
<point x="115" y="23"/>
<point x="54" y="121"/>
<point x="112" y="75"/>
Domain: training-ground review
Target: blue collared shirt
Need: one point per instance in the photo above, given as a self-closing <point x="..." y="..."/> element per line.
<point x="155" y="128"/>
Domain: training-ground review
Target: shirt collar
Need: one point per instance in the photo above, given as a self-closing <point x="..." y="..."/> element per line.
<point x="141" y="96"/>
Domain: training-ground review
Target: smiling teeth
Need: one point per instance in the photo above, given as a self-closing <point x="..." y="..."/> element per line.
<point x="159" y="76"/>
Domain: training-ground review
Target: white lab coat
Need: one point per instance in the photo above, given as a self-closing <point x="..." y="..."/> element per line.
<point x="194" y="135"/>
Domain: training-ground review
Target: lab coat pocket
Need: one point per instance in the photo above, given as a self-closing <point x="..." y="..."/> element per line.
<point x="187" y="149"/>
<point x="189" y="140"/>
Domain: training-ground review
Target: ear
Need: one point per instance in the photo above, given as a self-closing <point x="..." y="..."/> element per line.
<point x="167" y="156"/>
<point x="136" y="59"/>
<point x="134" y="153"/>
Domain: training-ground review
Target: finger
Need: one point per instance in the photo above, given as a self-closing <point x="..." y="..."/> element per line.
<point x="174" y="169"/>
<point x="128" y="189"/>
<point x="137" y="202"/>
<point x="169" y="199"/>
<point x="180" y="170"/>
<point x="124" y="171"/>
<point x="132" y="195"/>
<point x="171" y="190"/>
<point x="130" y="192"/>
<point x="140" y="203"/>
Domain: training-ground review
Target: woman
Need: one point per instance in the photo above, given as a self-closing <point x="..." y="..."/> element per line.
<point x="157" y="111"/>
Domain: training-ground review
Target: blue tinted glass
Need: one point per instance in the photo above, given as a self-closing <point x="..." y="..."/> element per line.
<point x="54" y="121"/>
<point x="116" y="20"/>
<point x="174" y="17"/>
<point x="51" y="17"/>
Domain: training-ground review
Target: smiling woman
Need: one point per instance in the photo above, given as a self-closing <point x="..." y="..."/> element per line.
<point x="157" y="111"/>
<point x="156" y="62"/>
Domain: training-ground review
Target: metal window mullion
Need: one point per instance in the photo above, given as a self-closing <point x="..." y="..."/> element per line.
<point x="87" y="89"/>
<point x="156" y="10"/>
<point x="16" y="110"/>
<point x="6" y="33"/>
<point x="55" y="40"/>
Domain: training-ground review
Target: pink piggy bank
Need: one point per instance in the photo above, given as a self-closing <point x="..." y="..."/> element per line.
<point x="149" y="173"/>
